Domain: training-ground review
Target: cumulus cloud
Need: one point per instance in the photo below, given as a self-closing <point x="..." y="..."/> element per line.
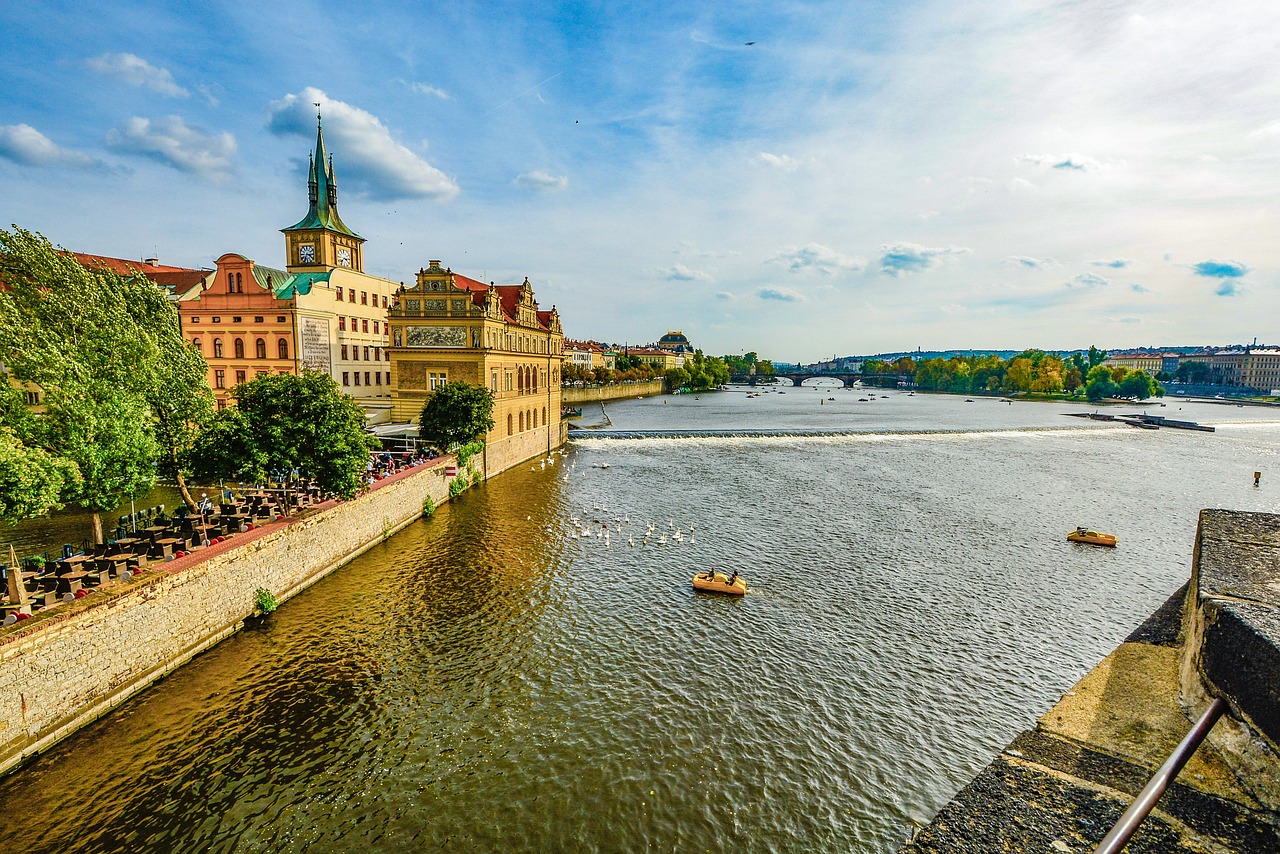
<point x="778" y="161"/>
<point x="898" y="259"/>
<point x="1088" y="280"/>
<point x="1027" y="262"/>
<point x="1227" y="288"/>
<point x="1139" y="289"/>
<point x="170" y="141"/>
<point x="136" y="71"/>
<point x="819" y="258"/>
<point x="725" y="295"/>
<point x="1064" y="162"/>
<point x="366" y="156"/>
<point x="1213" y="269"/>
<point x="541" y="181"/>
<point x="779" y="294"/>
<point x="681" y="273"/>
<point x="26" y="146"/>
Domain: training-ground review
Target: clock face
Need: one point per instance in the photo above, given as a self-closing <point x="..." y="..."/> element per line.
<point x="306" y="253"/>
<point x="344" y="257"/>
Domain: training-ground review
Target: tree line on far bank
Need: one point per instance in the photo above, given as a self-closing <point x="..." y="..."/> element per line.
<point x="124" y="399"/>
<point x="699" y="372"/>
<point x="1029" y="372"/>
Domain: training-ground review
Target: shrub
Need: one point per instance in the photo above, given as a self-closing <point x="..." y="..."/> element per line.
<point x="428" y="506"/>
<point x="265" y="600"/>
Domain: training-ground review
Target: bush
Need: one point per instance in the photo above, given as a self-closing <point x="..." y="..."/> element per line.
<point x="265" y="600"/>
<point x="428" y="506"/>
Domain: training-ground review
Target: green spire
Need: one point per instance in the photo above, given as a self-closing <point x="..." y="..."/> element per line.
<point x="322" y="192"/>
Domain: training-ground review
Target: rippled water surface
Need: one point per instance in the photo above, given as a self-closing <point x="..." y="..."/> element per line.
<point x="485" y="681"/>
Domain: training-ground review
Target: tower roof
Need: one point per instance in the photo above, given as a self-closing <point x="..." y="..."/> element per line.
<point x="322" y="193"/>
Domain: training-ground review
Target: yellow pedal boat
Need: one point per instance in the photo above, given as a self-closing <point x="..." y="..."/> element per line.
<point x="1084" y="535"/>
<point x="718" y="582"/>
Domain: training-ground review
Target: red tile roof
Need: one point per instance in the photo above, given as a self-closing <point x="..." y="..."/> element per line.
<point x="180" y="279"/>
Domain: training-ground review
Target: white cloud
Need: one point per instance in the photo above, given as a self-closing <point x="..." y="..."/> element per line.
<point x="136" y="71"/>
<point x="1027" y="262"/>
<point x="681" y="273"/>
<point x="818" y="258"/>
<point x="541" y="181"/>
<point x="778" y="161"/>
<point x="26" y="146"/>
<point x="426" y="89"/>
<point x="1088" y="280"/>
<point x="725" y="295"/>
<point x="1113" y="263"/>
<point x="365" y="154"/>
<point x="1021" y="185"/>
<point x="898" y="259"/>
<point x="779" y="294"/>
<point x="1062" y="162"/>
<point x="170" y="141"/>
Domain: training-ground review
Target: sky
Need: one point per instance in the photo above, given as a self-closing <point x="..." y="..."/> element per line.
<point x="802" y="180"/>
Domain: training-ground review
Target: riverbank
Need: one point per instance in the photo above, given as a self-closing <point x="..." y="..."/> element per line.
<point x="571" y="396"/>
<point x="61" y="671"/>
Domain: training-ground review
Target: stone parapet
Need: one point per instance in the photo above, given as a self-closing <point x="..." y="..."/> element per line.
<point x="570" y="396"/>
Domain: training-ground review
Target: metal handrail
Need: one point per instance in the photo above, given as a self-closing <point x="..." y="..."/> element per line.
<point x="1141" y="807"/>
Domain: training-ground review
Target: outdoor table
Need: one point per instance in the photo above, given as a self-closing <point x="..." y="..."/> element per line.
<point x="111" y="564"/>
<point x="154" y="533"/>
<point x="48" y="583"/>
<point x="164" y="548"/>
<point x="71" y="582"/>
<point x="123" y="545"/>
<point x="65" y="565"/>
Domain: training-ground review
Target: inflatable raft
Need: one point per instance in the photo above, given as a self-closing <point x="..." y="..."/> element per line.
<point x="718" y="582"/>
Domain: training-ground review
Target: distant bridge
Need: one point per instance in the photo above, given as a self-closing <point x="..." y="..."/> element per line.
<point x="848" y="378"/>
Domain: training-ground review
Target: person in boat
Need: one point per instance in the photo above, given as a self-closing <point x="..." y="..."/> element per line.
<point x="733" y="578"/>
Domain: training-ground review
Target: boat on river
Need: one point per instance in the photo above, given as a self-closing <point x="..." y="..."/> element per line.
<point x="718" y="582"/>
<point x="1087" y="535"/>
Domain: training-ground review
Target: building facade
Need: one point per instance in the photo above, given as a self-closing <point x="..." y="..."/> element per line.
<point x="322" y="312"/>
<point x="449" y="328"/>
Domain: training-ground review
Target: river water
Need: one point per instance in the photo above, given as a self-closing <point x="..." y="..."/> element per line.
<point x="492" y="679"/>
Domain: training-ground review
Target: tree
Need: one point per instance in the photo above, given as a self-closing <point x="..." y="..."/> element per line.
<point x="1096" y="357"/>
<point x="283" y="422"/>
<point x="1193" y="372"/>
<point x="32" y="480"/>
<point x="1099" y="384"/>
<point x="1139" y="386"/>
<point x="456" y="413"/>
<point x="69" y="331"/>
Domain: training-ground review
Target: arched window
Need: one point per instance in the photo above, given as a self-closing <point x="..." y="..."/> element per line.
<point x="231" y="283"/>
<point x="284" y="348"/>
<point x="521" y="422"/>
<point x="217" y="348"/>
<point x="508" y="423"/>
<point x="238" y="347"/>
<point x="239" y="284"/>
<point x="195" y="342"/>
<point x="544" y="415"/>
<point x="535" y="419"/>
<point x="260" y="349"/>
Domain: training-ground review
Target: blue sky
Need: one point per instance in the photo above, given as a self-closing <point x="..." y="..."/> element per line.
<point x="866" y="176"/>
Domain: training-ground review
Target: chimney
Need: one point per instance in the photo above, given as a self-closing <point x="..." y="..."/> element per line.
<point x="153" y="262"/>
<point x="433" y="263"/>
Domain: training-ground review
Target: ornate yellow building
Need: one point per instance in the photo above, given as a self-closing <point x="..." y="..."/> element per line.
<point x="447" y="327"/>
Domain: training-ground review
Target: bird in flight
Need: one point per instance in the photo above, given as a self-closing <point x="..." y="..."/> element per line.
<point x="748" y="44"/>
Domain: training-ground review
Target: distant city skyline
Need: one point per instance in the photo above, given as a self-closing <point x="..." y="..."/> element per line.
<point x="796" y="180"/>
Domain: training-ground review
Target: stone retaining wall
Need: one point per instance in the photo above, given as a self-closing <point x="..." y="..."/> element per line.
<point x="57" y="675"/>
<point x="617" y="391"/>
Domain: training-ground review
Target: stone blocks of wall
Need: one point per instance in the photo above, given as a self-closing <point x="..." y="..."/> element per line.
<point x="617" y="391"/>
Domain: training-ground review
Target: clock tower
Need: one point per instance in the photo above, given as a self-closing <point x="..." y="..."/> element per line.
<point x="322" y="241"/>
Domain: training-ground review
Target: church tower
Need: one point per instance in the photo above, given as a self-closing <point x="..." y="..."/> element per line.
<point x="322" y="241"/>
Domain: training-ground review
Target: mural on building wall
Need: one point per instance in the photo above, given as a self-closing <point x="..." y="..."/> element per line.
<point x="315" y="352"/>
<point x="435" y="336"/>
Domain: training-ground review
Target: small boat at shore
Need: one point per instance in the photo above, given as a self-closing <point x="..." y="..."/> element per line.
<point x="1086" y="535"/>
<point x="718" y="582"/>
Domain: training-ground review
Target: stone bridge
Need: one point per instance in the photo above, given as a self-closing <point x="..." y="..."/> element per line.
<point x="849" y="378"/>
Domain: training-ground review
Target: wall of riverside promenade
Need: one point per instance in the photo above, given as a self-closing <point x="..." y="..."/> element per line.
<point x="60" y="674"/>
<point x="617" y="391"/>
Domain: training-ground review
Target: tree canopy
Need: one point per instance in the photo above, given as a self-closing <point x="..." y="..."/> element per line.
<point x="699" y="373"/>
<point x="456" y="413"/>
<point x="283" y="422"/>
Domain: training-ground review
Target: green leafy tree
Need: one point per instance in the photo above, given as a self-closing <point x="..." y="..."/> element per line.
<point x="1095" y="357"/>
<point x="1099" y="384"/>
<point x="70" y="331"/>
<point x="456" y="413"/>
<point x="1140" y="386"/>
<point x="1193" y="372"/>
<point x="32" y="481"/>
<point x="283" y="422"/>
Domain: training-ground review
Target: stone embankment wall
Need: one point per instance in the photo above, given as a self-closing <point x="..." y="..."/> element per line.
<point x="616" y="391"/>
<point x="60" y="673"/>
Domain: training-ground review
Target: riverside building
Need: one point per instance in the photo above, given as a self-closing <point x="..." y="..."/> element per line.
<point x="322" y="312"/>
<point x="447" y="327"/>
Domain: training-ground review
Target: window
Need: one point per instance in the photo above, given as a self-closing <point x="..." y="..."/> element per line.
<point x="366" y="378"/>
<point x="262" y="373"/>
<point x="236" y="320"/>
<point x="283" y="347"/>
<point x="364" y="297"/>
<point x="535" y="418"/>
<point x="217" y="320"/>
<point x="217" y="350"/>
<point x="280" y="318"/>
<point x="339" y="293"/>
<point x="384" y="302"/>
<point x="388" y="373"/>
<point x="357" y="376"/>
<point x="351" y="296"/>
<point x="195" y="320"/>
<point x="345" y="380"/>
<point x="195" y="342"/>
<point x="493" y="381"/>
<point x="240" y="377"/>
<point x="375" y="327"/>
<point x="344" y="351"/>
<point x="377" y="377"/>
<point x="342" y="324"/>
<point x="355" y="352"/>
<point x="231" y="283"/>
<point x="438" y="380"/>
<point x="260" y="349"/>
<point x="219" y="378"/>
<point x="508" y="423"/>
<point x="33" y="398"/>
<point x="238" y="346"/>
<point x="355" y="324"/>
<point x="222" y="403"/>
<point x="366" y="354"/>
<point x="364" y="325"/>
<point x="521" y="422"/>
<point x="239" y="284"/>
<point x="544" y="415"/>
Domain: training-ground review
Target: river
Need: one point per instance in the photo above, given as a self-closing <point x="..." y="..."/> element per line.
<point x="487" y="681"/>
